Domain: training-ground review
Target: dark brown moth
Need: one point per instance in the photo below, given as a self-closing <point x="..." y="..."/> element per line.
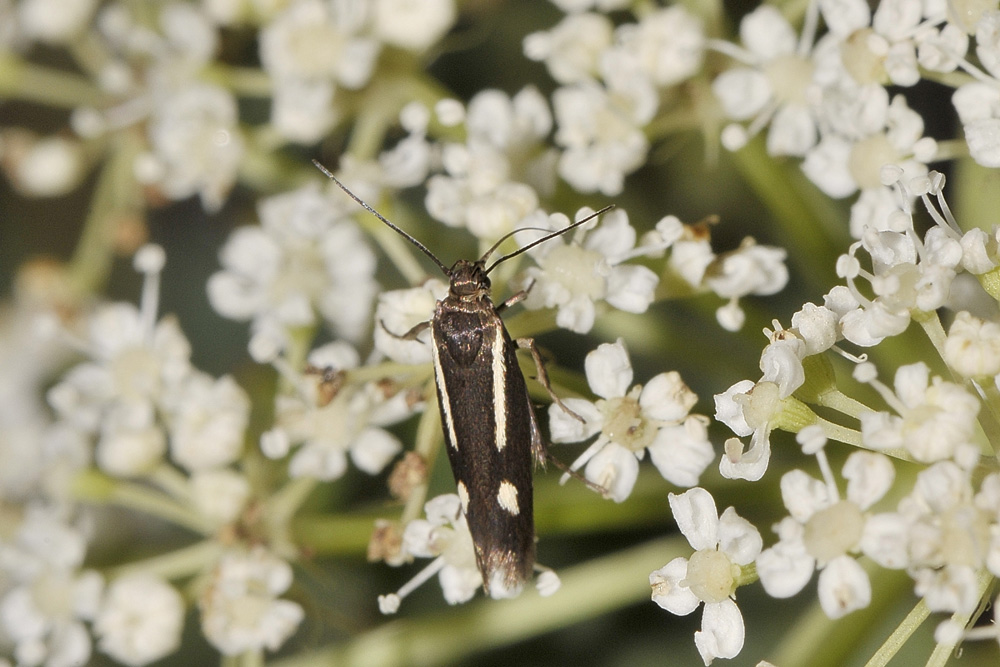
<point x="490" y="428"/>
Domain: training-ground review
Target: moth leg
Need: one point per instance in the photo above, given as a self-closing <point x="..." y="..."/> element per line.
<point x="515" y="298"/>
<point x="409" y="335"/>
<point x="543" y="376"/>
<point x="538" y="447"/>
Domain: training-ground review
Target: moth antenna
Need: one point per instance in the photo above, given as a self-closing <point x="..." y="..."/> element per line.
<point x="364" y="205"/>
<point x="545" y="238"/>
<point x="506" y="236"/>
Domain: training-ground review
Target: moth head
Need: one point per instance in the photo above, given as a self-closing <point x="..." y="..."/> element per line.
<point x="468" y="278"/>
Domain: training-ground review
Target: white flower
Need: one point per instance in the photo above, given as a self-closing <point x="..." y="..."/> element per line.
<point x="823" y="531"/>
<point x="306" y="258"/>
<point x="978" y="107"/>
<point x="723" y="545"/>
<point x="628" y="421"/>
<point x="47" y="597"/>
<point x="972" y="348"/>
<point x="572" y="274"/>
<point x="950" y="537"/>
<point x="775" y="87"/>
<point x="196" y="144"/>
<point x="311" y="39"/>
<point x="869" y="132"/>
<point x="573" y="48"/>
<point x="485" y="187"/>
<point x="748" y="409"/>
<point x="140" y="620"/>
<point x="666" y="46"/>
<point x="138" y="366"/>
<point x="412" y="24"/>
<point x="750" y="269"/>
<point x="936" y="419"/>
<point x="219" y="494"/>
<point x="207" y="422"/>
<point x="241" y="609"/>
<point x="346" y="425"/>
<point x="600" y="131"/>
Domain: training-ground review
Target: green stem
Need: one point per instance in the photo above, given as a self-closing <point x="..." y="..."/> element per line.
<point x="900" y="635"/>
<point x="840" y="433"/>
<point x="177" y="564"/>
<point x="29" y="82"/>
<point x="114" y="196"/>
<point x="837" y="400"/>
<point x="92" y="486"/>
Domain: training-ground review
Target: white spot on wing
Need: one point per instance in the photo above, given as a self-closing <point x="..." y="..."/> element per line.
<point x="507" y="497"/>
<point x="463" y="495"/>
<point x="500" y="390"/>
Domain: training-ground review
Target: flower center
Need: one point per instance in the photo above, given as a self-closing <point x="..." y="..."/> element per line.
<point x="51" y="592"/>
<point x="710" y="575"/>
<point x="577" y="269"/>
<point x="760" y="404"/>
<point x="624" y="423"/>
<point x="833" y="531"/>
<point x="867" y="158"/>
<point x="136" y="372"/>
<point x="860" y="60"/>
<point x="789" y="77"/>
<point x="965" y="536"/>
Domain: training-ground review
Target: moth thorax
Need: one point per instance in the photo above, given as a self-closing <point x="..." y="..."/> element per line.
<point x="468" y="278"/>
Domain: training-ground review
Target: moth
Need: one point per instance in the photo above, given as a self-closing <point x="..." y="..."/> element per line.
<point x="490" y="428"/>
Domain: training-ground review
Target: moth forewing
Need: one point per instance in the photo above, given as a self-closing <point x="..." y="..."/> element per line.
<point x="490" y="429"/>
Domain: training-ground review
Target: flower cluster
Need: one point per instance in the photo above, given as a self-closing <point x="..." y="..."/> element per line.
<point x="139" y="491"/>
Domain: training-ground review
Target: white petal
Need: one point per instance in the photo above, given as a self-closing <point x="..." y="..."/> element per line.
<point x="372" y="450"/>
<point x="667" y="591"/>
<point x="803" y="495"/>
<point x="615" y="469"/>
<point x="785" y="569"/>
<point x="609" y="370"/>
<point x="682" y="453"/>
<point x="886" y="540"/>
<point x="696" y="516"/>
<point x="564" y="427"/>
<point x="843" y="587"/>
<point x="767" y="33"/>
<point x="722" y="631"/>
<point x="577" y="314"/>
<point x="730" y="412"/>
<point x="869" y="476"/>
<point x="750" y="464"/>
<point x="630" y="288"/>
<point x="738" y="538"/>
<point x="666" y="398"/>
<point x="316" y="460"/>
<point x="742" y="91"/>
<point x="459" y="584"/>
<point x="793" y="131"/>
